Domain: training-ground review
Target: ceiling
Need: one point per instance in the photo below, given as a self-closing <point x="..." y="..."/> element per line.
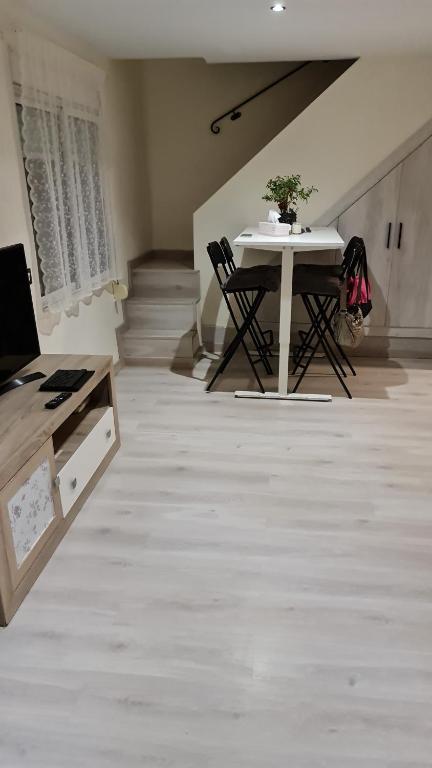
<point x="243" y="30"/>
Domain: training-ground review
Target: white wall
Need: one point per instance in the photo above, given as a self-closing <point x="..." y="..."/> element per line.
<point x="186" y="162"/>
<point x="92" y="331"/>
<point x="373" y="108"/>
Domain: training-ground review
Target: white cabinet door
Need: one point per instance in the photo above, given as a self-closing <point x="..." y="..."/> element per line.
<point x="373" y="217"/>
<point x="410" y="297"/>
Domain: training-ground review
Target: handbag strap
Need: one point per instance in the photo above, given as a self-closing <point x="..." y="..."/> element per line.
<point x="343" y="296"/>
<point x="366" y="275"/>
<point x="360" y="275"/>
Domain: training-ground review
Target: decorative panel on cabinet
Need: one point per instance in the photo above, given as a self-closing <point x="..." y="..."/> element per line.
<point x="30" y="509"/>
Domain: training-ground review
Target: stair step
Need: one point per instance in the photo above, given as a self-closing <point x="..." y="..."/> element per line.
<point x="161" y="315"/>
<point x="161" y="312"/>
<point x="180" y="261"/>
<point x="175" y="347"/>
<point x="166" y="284"/>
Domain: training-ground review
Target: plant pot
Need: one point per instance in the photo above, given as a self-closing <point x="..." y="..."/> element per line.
<point x="287" y="217"/>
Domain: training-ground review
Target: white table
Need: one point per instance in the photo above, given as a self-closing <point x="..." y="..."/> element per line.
<point x="319" y="239"/>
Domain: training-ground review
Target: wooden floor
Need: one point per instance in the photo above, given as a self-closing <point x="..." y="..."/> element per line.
<point x="250" y="586"/>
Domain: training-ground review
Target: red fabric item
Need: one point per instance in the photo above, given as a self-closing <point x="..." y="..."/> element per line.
<point x="353" y="290"/>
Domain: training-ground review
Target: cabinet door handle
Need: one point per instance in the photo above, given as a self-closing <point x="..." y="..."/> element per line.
<point x="400" y="235"/>
<point x="108" y="434"/>
<point x="74" y="483"/>
<point x="389" y="234"/>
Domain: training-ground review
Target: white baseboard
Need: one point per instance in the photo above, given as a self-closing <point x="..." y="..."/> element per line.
<point x="385" y="342"/>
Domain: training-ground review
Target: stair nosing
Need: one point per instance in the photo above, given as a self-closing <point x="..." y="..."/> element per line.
<point x="182" y="271"/>
<point x="163" y="302"/>
<point x="158" y="333"/>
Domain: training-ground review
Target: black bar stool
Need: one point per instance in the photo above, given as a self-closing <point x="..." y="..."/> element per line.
<point x="320" y="294"/>
<point x="263" y="338"/>
<point x="235" y="285"/>
<point x="326" y="309"/>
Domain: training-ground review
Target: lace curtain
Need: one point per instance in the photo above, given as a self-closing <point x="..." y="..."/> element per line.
<point x="59" y="111"/>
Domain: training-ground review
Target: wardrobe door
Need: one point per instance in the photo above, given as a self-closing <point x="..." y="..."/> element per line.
<point x="410" y="297"/>
<point x="373" y="217"/>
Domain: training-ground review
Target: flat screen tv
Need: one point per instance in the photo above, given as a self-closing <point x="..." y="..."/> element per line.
<point x="19" y="343"/>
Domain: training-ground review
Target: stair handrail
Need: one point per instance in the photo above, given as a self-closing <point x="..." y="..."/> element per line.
<point x="234" y="112"/>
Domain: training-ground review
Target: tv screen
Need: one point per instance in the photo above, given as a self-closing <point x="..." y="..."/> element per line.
<point x="19" y="343"/>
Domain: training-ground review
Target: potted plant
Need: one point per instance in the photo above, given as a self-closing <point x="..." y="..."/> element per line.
<point x="287" y="191"/>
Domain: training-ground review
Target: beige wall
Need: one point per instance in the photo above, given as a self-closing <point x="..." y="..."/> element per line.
<point x="92" y="331"/>
<point x="128" y="173"/>
<point x="186" y="162"/>
<point x="370" y="111"/>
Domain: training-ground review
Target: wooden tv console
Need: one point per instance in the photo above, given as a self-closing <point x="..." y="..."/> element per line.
<point x="50" y="461"/>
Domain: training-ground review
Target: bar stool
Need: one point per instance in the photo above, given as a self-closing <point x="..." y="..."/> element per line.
<point x="264" y="338"/>
<point x="253" y="282"/>
<point x="320" y="294"/>
<point x="354" y="252"/>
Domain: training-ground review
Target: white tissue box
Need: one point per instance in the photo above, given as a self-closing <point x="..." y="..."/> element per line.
<point x="274" y="230"/>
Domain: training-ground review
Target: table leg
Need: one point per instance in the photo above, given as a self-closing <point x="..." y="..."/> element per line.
<point x="285" y="318"/>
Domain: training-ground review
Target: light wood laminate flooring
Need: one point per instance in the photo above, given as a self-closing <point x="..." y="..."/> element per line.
<point x="250" y="586"/>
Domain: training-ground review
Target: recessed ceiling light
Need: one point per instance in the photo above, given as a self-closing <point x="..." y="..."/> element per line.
<point x="278" y="7"/>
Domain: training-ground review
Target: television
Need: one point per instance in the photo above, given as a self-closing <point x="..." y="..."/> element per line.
<point x="19" y="343"/>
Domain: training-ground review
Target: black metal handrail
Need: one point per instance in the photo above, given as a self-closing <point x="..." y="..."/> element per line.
<point x="234" y="112"/>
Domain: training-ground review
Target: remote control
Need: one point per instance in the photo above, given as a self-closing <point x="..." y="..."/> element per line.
<point x="58" y="400"/>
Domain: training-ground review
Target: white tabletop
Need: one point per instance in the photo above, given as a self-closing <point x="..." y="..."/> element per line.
<point x="319" y="237"/>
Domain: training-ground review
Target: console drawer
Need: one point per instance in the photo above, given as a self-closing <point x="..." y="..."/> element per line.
<point x="78" y="470"/>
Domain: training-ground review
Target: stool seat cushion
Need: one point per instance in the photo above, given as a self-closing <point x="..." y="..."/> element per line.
<point x="332" y="270"/>
<point x="253" y="278"/>
<point x="319" y="284"/>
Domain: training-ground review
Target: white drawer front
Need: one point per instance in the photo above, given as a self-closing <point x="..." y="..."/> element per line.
<point x="75" y="475"/>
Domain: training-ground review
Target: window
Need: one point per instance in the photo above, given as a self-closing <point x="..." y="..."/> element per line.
<point x="60" y="130"/>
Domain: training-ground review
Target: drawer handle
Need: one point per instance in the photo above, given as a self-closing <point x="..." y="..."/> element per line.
<point x="108" y="434"/>
<point x="389" y="234"/>
<point x="74" y="483"/>
<point x="400" y="235"/>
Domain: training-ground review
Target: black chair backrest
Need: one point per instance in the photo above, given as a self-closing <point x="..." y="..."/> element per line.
<point x="218" y="259"/>
<point x="228" y="254"/>
<point x="353" y="256"/>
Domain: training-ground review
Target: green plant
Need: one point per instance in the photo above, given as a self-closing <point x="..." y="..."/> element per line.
<point x="287" y="191"/>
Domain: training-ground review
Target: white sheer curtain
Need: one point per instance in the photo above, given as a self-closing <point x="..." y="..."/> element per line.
<point x="59" y="110"/>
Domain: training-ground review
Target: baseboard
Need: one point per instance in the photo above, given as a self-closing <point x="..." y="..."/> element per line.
<point x="118" y="366"/>
<point x="390" y="344"/>
<point x="119" y="336"/>
<point x="394" y="347"/>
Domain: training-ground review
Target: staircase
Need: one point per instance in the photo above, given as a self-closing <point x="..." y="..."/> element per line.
<point x="161" y="311"/>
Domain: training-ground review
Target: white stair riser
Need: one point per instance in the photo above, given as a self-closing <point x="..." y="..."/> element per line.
<point x="161" y="316"/>
<point x="163" y="284"/>
<point x="160" y="348"/>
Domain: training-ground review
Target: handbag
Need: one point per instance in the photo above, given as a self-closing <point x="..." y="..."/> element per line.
<point x="348" y="324"/>
<point x="359" y="290"/>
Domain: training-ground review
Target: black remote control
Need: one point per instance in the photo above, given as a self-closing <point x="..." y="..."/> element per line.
<point x="58" y="400"/>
